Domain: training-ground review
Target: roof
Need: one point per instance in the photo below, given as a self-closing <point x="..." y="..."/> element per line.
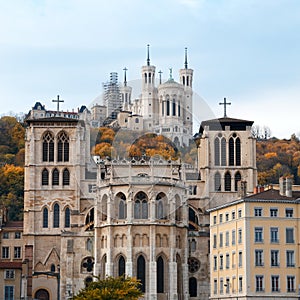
<point x="52" y="119"/>
<point x="38" y="105"/>
<point x="10" y="265"/>
<point x="270" y="195"/>
<point x="221" y="123"/>
<point x="273" y="194"/>
<point x="13" y="224"/>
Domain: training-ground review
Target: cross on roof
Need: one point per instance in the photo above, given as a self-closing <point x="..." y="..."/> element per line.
<point x="58" y="101"/>
<point x="160" y="72"/>
<point x="225" y="103"/>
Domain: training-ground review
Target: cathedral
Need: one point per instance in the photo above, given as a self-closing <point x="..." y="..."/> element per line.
<point x="145" y="217"/>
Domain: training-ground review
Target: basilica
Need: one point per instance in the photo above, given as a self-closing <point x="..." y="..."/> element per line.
<point x="145" y="217"/>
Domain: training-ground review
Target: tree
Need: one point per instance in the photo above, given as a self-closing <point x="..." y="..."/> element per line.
<point x="110" y="288"/>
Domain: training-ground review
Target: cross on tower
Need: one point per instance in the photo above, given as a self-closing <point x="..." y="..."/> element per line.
<point x="160" y="72"/>
<point x="58" y="101"/>
<point x="225" y="103"/>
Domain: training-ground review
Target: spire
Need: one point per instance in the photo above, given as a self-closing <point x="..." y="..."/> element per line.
<point x="148" y="55"/>
<point x="125" y="80"/>
<point x="171" y="78"/>
<point x="185" y="62"/>
<point x="160" y="72"/>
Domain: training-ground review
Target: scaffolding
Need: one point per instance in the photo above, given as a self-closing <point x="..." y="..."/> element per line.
<point x="112" y="96"/>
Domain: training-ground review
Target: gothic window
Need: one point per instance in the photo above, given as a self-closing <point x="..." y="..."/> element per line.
<point x="67" y="217"/>
<point x="178" y="211"/>
<point x="160" y="206"/>
<point x="149" y="75"/>
<point x="217" y="151"/>
<point x="121" y="266"/>
<point x="52" y="268"/>
<point x="193" y="219"/>
<point x="45" y="177"/>
<point x="55" y="177"/>
<point x="141" y="206"/>
<point x="160" y="275"/>
<point x="194" y="264"/>
<point x="187" y="80"/>
<point x="89" y="220"/>
<point x="183" y="80"/>
<point x="141" y="272"/>
<point x="87" y="265"/>
<point x="63" y="147"/>
<point x="48" y="147"/>
<point x="122" y="206"/>
<point x="174" y="108"/>
<point x="237" y="178"/>
<point x="227" y="182"/>
<point x="231" y="152"/>
<point x="223" y="152"/>
<point x="89" y="245"/>
<point x="104" y="208"/>
<point x="66" y="177"/>
<point x="56" y="216"/>
<point x="168" y="107"/>
<point x="178" y="110"/>
<point x="145" y="77"/>
<point x="217" y="182"/>
<point x="193" y="287"/>
<point x="45" y="217"/>
<point x="238" y="152"/>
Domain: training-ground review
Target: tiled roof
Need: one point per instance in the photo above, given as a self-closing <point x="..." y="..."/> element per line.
<point x="273" y="194"/>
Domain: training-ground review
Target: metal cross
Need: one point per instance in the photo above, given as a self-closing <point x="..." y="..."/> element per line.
<point x="225" y="103"/>
<point x="160" y="72"/>
<point x="58" y="101"/>
<point x="125" y="80"/>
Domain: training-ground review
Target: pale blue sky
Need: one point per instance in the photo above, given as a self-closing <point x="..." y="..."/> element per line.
<point x="247" y="51"/>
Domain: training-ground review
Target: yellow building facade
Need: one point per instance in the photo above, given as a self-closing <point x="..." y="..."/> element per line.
<point x="254" y="246"/>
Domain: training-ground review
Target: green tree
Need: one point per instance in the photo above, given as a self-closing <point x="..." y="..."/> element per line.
<point x="111" y="288"/>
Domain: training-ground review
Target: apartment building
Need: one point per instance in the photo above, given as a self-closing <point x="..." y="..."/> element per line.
<point x="255" y="246"/>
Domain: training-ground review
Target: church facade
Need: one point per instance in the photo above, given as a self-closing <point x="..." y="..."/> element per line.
<point x="145" y="217"/>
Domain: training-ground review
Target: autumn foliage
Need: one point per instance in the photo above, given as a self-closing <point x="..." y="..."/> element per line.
<point x="120" y="288"/>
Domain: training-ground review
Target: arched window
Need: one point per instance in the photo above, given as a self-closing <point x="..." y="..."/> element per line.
<point x="121" y="199"/>
<point x="145" y="77"/>
<point x="168" y="107"/>
<point x="89" y="245"/>
<point x="56" y="216"/>
<point x="63" y="147"/>
<point x="48" y="147"/>
<point x="217" y="151"/>
<point x="238" y="152"/>
<point x="162" y="108"/>
<point x="141" y="272"/>
<point x="149" y="76"/>
<point x="183" y="80"/>
<point x="121" y="266"/>
<point x="187" y="80"/>
<point x="45" y="217"/>
<point x="178" y="211"/>
<point x="217" y="182"/>
<point x="66" y="177"/>
<point x="55" y="177"/>
<point x="223" y="152"/>
<point x="89" y="220"/>
<point x="136" y="120"/>
<point x="52" y="268"/>
<point x="45" y="177"/>
<point x="141" y="206"/>
<point x="67" y="217"/>
<point x="231" y="152"/>
<point x="160" y="206"/>
<point x="193" y="219"/>
<point x="104" y="208"/>
<point x="227" y="182"/>
<point x="193" y="287"/>
<point x="88" y="281"/>
<point x="193" y="245"/>
<point x="160" y="275"/>
<point x="174" y="108"/>
<point x="178" y="110"/>
<point x="237" y="178"/>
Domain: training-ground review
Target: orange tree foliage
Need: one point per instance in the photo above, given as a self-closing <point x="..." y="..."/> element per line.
<point x="277" y="158"/>
<point x="110" y="288"/>
<point x="12" y="190"/>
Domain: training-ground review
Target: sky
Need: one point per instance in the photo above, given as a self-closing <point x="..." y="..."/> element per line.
<point x="247" y="51"/>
